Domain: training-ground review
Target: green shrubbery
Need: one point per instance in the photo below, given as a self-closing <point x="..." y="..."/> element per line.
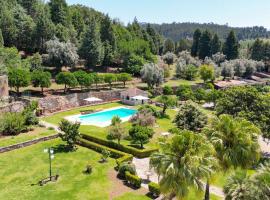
<point x="12" y="123"/>
<point x="120" y="156"/>
<point x="15" y="123"/>
<point x="126" y="167"/>
<point x="154" y="189"/>
<point x="133" y="180"/>
<point x="127" y="149"/>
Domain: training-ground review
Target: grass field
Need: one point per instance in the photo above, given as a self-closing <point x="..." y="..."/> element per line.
<point x="36" y="133"/>
<point x="22" y="169"/>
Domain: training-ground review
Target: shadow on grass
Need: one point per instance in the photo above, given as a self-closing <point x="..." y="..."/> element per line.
<point x="61" y="148"/>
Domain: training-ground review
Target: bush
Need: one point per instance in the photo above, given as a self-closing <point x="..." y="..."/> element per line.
<point x="184" y="92"/>
<point x="167" y="90"/>
<point x="154" y="189"/>
<point x="120" y="156"/>
<point x="12" y="123"/>
<point x="150" y="108"/>
<point x="88" y="169"/>
<point x="133" y="180"/>
<point x="121" y="148"/>
<point x="126" y="167"/>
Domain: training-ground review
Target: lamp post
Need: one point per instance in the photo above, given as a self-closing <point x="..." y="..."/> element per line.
<point x="51" y="156"/>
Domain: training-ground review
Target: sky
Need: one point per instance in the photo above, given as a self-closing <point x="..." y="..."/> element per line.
<point x="237" y="13"/>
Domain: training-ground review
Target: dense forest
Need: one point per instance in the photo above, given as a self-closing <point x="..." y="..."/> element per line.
<point x="64" y="35"/>
<point x="177" y="31"/>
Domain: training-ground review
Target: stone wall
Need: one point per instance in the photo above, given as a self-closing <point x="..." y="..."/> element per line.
<point x="51" y="104"/>
<point x="17" y="106"/>
<point x="3" y="87"/>
<point x="27" y="143"/>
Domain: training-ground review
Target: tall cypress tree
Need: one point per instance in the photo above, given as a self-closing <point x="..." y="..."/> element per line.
<point x="231" y="46"/>
<point x="215" y="45"/>
<point x="59" y="11"/>
<point x="91" y="48"/>
<point x="205" y="45"/>
<point x="196" y="39"/>
<point x="258" y="50"/>
<point x="1" y="39"/>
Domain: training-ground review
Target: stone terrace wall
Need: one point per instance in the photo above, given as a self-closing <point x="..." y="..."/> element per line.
<point x="17" y="106"/>
<point x="52" y="104"/>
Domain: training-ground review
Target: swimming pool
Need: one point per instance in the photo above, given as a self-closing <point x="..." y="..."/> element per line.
<point x="103" y="118"/>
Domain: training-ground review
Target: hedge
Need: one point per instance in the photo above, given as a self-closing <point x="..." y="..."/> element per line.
<point x="120" y="156"/>
<point x="154" y="189"/>
<point x="127" y="149"/>
<point x="133" y="179"/>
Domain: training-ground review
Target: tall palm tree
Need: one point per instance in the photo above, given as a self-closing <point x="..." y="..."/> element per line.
<point x="235" y="141"/>
<point x="183" y="161"/>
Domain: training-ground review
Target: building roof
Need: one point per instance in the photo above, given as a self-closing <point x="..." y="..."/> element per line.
<point x="140" y="97"/>
<point x="134" y="92"/>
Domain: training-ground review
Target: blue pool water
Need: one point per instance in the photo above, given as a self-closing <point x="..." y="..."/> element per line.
<point x="105" y="116"/>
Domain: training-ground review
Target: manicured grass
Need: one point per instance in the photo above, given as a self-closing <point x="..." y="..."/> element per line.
<point x="195" y="195"/>
<point x="38" y="132"/>
<point x="132" y="196"/>
<point x="22" y="169"/>
<point x="163" y="125"/>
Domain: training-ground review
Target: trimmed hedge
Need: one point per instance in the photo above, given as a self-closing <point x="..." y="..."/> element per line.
<point x="120" y="156"/>
<point x="133" y="180"/>
<point x="154" y="189"/>
<point x="127" y="149"/>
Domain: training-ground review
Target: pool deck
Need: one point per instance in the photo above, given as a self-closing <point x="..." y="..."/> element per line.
<point x="76" y="118"/>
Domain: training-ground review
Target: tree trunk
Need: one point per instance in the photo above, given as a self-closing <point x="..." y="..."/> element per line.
<point x="207" y="195"/>
<point x="164" y="110"/>
<point x="65" y="89"/>
<point x="124" y="84"/>
<point x="141" y="145"/>
<point x="171" y="196"/>
<point x="42" y="91"/>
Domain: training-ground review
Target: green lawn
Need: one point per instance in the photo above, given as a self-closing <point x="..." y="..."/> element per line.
<point x="38" y="132"/>
<point x="132" y="196"/>
<point x="163" y="124"/>
<point x="22" y="168"/>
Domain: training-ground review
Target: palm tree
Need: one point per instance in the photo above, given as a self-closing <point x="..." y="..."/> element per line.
<point x="235" y="141"/>
<point x="256" y="187"/>
<point x="183" y="161"/>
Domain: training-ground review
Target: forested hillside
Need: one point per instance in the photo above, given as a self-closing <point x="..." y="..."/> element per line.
<point x="177" y="31"/>
<point x="63" y="35"/>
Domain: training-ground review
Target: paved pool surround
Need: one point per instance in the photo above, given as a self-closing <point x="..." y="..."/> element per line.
<point x="97" y="119"/>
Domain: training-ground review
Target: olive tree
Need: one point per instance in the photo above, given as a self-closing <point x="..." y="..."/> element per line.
<point x="152" y="75"/>
<point x="41" y="79"/>
<point x="66" y="78"/>
<point x="18" y="77"/>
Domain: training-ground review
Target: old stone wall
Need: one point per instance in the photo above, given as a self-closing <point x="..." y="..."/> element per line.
<point x="52" y="104"/>
<point x="17" y="106"/>
<point x="3" y="87"/>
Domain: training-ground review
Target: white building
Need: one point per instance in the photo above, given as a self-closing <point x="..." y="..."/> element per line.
<point x="134" y="96"/>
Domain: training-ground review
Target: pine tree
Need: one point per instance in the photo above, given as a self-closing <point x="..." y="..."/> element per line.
<point x="29" y="6"/>
<point x="59" y="11"/>
<point x="44" y="28"/>
<point x="231" y="46"/>
<point x="1" y="39"/>
<point x="91" y="48"/>
<point x="196" y="39"/>
<point x="168" y="46"/>
<point x="215" y="45"/>
<point x="205" y="45"/>
<point x="257" y="50"/>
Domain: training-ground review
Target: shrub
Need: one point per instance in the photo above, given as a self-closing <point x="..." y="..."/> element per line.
<point x="105" y="155"/>
<point x="143" y="118"/>
<point x="167" y="90"/>
<point x="12" y="123"/>
<point x="70" y="132"/>
<point x="126" y="167"/>
<point x="120" y="156"/>
<point x="133" y="179"/>
<point x="140" y="135"/>
<point x="150" y="108"/>
<point x="154" y="189"/>
<point x="139" y="153"/>
<point x="88" y="169"/>
<point x="184" y="92"/>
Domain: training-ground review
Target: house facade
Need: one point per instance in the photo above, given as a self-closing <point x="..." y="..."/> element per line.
<point x="134" y="96"/>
